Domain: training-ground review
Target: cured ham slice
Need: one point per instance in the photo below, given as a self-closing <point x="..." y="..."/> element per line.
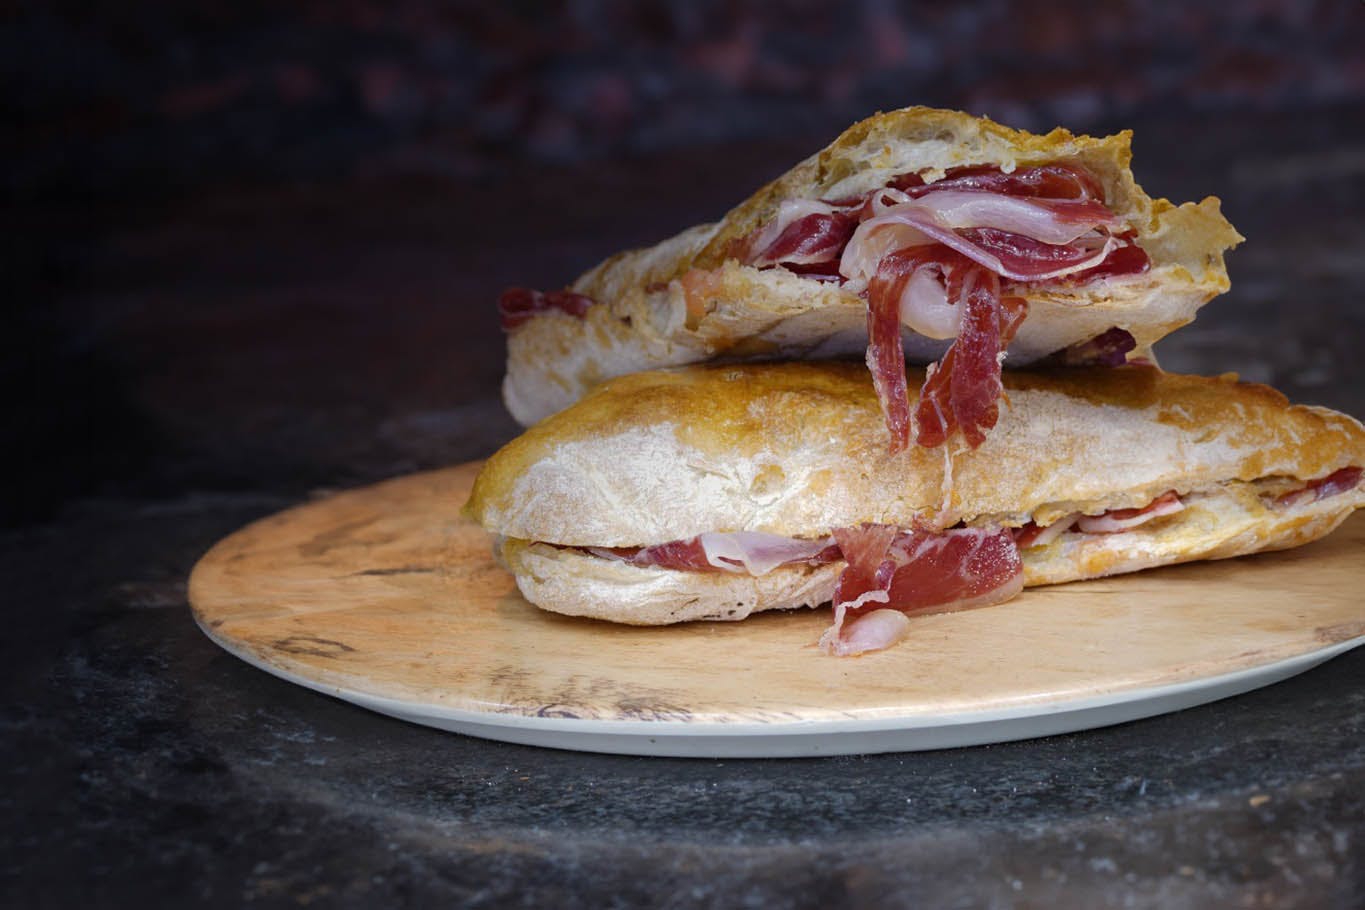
<point x="867" y="577"/>
<point x="759" y="554"/>
<point x="1051" y="181"/>
<point x="1118" y="520"/>
<point x="962" y="391"/>
<point x="1114" y="521"/>
<point x="518" y="305"/>
<point x="1031" y="535"/>
<point x="805" y="232"/>
<point x="1026" y="240"/>
<point x="916" y="570"/>
<point x="873" y="631"/>
<point x="1109" y="349"/>
<point x="685" y="555"/>
<point x="885" y="353"/>
<point x="1124" y="261"/>
<point x="1028" y="259"/>
<point x="743" y="551"/>
<point x="1337" y="482"/>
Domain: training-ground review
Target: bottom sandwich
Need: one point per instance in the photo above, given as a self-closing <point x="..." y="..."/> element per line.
<point x="716" y="492"/>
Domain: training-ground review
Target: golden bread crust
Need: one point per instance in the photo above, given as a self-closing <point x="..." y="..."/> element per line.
<point x="798" y="448"/>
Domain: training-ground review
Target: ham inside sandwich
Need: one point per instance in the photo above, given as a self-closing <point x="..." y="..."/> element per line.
<point x="891" y="572"/>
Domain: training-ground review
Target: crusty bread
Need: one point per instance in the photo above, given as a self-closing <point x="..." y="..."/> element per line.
<point x="1217" y="525"/>
<point x="643" y="322"/>
<point x="798" y="449"/>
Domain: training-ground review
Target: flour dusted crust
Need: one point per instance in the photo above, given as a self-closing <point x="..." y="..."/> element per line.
<point x="798" y="448"/>
<point x="642" y="322"/>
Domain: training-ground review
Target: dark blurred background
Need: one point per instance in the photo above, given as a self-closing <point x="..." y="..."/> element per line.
<point x="251" y="252"/>
<point x="121" y="99"/>
<point x="257" y="244"/>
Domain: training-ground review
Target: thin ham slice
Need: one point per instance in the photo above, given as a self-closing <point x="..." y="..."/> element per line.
<point x="756" y="553"/>
<point x="876" y="630"/>
<point x="1031" y="535"/>
<point x="1340" y="481"/>
<point x="916" y="570"/>
<point x="1048" y="220"/>
<point x="687" y="555"/>
<point x="1109" y="348"/>
<point x="885" y="353"/>
<point x="1124" y="261"/>
<point x="1025" y="258"/>
<point x="1116" y="521"/>
<point x="805" y="232"/>
<point x="961" y="392"/>
<point x="867" y="577"/>
<point x="1051" y="181"/>
<point x="516" y="306"/>
<point x="750" y="552"/>
<point x="1066" y="247"/>
<point x="1112" y="522"/>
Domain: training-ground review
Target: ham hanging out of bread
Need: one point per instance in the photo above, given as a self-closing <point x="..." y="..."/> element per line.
<point x="915" y="570"/>
<point x="932" y="257"/>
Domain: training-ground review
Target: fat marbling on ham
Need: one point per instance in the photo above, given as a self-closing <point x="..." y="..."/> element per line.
<point x="915" y="570"/>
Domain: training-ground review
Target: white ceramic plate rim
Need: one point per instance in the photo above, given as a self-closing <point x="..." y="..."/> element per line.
<point x="843" y="736"/>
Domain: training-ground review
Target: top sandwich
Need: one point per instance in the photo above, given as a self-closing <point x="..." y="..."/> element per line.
<point x="914" y="231"/>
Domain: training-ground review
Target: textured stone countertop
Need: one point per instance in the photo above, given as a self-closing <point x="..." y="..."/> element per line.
<point x="196" y="365"/>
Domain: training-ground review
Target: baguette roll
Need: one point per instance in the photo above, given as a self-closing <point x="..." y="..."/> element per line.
<point x="798" y="450"/>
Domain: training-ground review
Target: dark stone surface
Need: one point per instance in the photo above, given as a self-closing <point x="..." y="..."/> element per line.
<point x="193" y="365"/>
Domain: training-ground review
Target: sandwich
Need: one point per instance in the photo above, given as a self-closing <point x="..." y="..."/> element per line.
<point x="918" y="234"/>
<point x="714" y="492"/>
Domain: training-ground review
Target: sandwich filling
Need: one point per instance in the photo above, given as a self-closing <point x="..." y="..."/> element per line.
<point x="892" y="571"/>
<point x="517" y="306"/>
<point x="949" y="259"/>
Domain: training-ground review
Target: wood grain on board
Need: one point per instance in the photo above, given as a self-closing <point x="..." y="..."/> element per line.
<point x="388" y="591"/>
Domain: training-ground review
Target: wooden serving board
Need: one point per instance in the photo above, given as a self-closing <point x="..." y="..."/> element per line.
<point x="386" y="597"/>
